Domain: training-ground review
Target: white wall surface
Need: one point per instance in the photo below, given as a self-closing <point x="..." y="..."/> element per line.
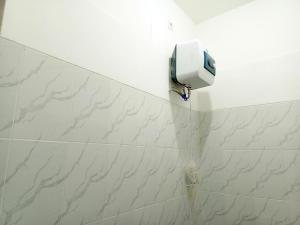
<point x="129" y="41"/>
<point x="257" y="50"/>
<point x="201" y="10"/>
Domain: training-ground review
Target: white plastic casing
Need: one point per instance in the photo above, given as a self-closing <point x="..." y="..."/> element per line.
<point x="190" y="69"/>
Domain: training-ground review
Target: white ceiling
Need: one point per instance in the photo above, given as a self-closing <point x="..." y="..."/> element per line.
<point x="200" y="10"/>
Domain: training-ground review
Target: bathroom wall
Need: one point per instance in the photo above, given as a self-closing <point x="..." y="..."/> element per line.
<point x="257" y="51"/>
<point x="250" y="166"/>
<point x="79" y="148"/>
<point x="129" y="41"/>
<point x="249" y="163"/>
<point x="2" y="3"/>
<point x="82" y="147"/>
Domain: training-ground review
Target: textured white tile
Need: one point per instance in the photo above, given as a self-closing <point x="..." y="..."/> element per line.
<point x="203" y="132"/>
<point x="94" y="223"/>
<point x="247" y="158"/>
<point x="198" y="128"/>
<point x="150" y="123"/>
<point x="122" y="181"/>
<point x="149" y="176"/>
<point x="149" y="215"/>
<point x="269" y="179"/>
<point x="237" y="130"/>
<point x="33" y="188"/>
<point x="199" y="203"/>
<point x="174" y="212"/>
<point x="125" y="116"/>
<point x="256" y="127"/>
<point x="215" y="210"/>
<point x="84" y="188"/>
<point x="182" y="119"/>
<point x="60" y="102"/>
<point x="241" y="172"/>
<point x="211" y="169"/>
<point x="272" y="123"/>
<point x="171" y="177"/>
<point x="268" y="211"/>
<point x="134" y="217"/>
<point x="90" y="115"/>
<point x="166" y="133"/>
<point x="257" y="211"/>
<point x="292" y="192"/>
<point x="167" y="124"/>
<point x="289" y="138"/>
<point x="185" y="215"/>
<point x="68" y="103"/>
<point x="271" y="172"/>
<point x="294" y="213"/>
<point x="3" y="163"/>
<point x="11" y="55"/>
<point x="153" y="214"/>
<point x="109" y="221"/>
<point x="46" y="110"/>
<point x="242" y="210"/>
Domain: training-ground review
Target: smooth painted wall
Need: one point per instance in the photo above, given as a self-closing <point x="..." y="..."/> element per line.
<point x="257" y="51"/>
<point x="129" y="41"/>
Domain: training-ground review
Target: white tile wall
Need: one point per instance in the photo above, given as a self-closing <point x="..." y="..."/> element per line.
<point x="79" y="148"/>
<point x="250" y="166"/>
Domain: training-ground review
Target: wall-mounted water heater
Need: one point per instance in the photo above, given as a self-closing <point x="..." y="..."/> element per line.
<point x="191" y="66"/>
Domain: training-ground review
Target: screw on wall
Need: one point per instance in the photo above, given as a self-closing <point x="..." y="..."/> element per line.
<point x="170" y="26"/>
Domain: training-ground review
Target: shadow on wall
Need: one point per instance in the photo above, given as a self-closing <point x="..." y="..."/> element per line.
<point x="195" y="123"/>
<point x="2" y="5"/>
<point x="192" y="129"/>
<point x="201" y="124"/>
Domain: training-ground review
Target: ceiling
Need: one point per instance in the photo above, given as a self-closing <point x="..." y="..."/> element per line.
<point x="200" y="10"/>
